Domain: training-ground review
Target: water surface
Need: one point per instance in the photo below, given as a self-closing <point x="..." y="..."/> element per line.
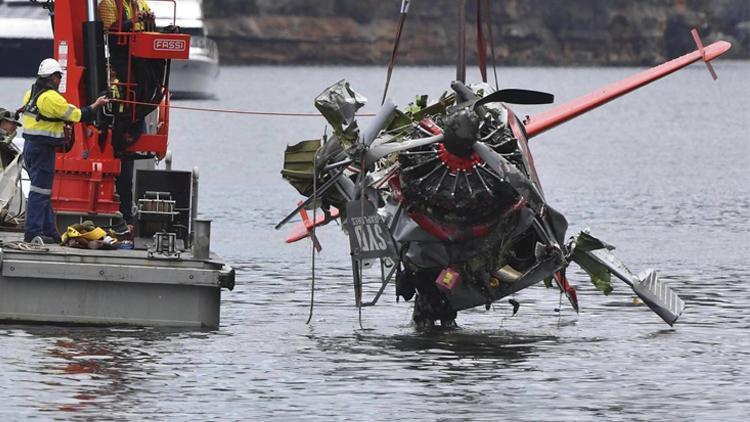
<point x="662" y="174"/>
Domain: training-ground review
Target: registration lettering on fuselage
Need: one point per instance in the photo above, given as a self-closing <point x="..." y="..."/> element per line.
<point x="368" y="235"/>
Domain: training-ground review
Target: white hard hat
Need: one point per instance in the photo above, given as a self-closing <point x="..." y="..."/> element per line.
<point x="49" y="66"/>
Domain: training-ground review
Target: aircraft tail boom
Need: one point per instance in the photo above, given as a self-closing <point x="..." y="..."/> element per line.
<point x="544" y="121"/>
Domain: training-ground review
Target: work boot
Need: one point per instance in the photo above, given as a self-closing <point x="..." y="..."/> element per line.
<point x="41" y="239"/>
<point x="55" y="238"/>
<point x="121" y="227"/>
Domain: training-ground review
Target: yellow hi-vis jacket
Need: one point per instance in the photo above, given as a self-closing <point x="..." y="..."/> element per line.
<point x="54" y="106"/>
<point x="108" y="12"/>
<point x="115" y="93"/>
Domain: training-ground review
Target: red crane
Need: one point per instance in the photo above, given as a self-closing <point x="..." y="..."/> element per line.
<point x="85" y="172"/>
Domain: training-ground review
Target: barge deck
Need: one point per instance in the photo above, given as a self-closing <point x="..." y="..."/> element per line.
<point x="56" y="284"/>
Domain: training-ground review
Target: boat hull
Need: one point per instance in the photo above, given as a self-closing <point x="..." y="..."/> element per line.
<point x="194" y="78"/>
<point x="86" y="302"/>
<point x="22" y="56"/>
<point x="120" y="287"/>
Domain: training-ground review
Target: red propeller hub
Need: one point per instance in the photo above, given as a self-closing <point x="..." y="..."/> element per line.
<point x="457" y="163"/>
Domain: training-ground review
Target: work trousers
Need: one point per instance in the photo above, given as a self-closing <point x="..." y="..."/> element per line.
<point x="39" y="160"/>
<point x="124" y="186"/>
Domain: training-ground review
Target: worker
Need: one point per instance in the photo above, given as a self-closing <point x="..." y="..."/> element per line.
<point x="124" y="180"/>
<point x="45" y="113"/>
<point x="142" y="81"/>
<point x="124" y="16"/>
<point x="9" y="169"/>
<point x="108" y="13"/>
<point x="8" y="125"/>
<point x="115" y="92"/>
<point x="127" y="16"/>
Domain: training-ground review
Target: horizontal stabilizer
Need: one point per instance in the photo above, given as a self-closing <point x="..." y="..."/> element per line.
<point x="659" y="297"/>
<point x="652" y="291"/>
<point x="304" y="229"/>
<point x="699" y="44"/>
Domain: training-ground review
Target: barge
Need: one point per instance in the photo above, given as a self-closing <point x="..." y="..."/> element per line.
<point x="154" y="269"/>
<point x="54" y="284"/>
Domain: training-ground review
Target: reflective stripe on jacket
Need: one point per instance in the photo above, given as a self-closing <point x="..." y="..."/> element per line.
<point x="51" y="105"/>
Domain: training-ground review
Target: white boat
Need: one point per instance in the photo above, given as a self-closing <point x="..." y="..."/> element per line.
<point x="196" y="77"/>
<point x="26" y="35"/>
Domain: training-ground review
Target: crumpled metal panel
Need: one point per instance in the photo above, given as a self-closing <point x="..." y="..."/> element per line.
<point x="406" y="229"/>
<point x="600" y="275"/>
<point x="424" y="250"/>
<point x="428" y="255"/>
<point x="468" y="295"/>
<point x="558" y="223"/>
<point x="338" y="104"/>
<point x="299" y="165"/>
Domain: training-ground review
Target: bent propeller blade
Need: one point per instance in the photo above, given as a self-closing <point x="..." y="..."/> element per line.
<point x="517" y="96"/>
<point x="505" y="170"/>
<point x="378" y="123"/>
<point x="377" y="152"/>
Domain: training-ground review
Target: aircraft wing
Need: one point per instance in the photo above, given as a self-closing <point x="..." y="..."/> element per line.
<point x="548" y="119"/>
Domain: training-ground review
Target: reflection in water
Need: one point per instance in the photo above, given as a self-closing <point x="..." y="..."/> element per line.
<point x="439" y="343"/>
<point x="85" y="369"/>
<point x="79" y="357"/>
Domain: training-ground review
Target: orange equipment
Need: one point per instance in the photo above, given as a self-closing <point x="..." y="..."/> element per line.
<point x="85" y="172"/>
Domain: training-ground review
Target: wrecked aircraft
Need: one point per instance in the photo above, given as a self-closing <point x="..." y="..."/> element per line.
<point x="445" y="197"/>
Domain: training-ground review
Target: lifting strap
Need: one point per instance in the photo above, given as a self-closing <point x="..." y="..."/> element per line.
<point x="404" y="12"/>
<point x="488" y="12"/>
<point x="481" y="44"/>
<point x="461" y="58"/>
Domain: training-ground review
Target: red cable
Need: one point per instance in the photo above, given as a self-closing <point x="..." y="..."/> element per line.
<point x="220" y="110"/>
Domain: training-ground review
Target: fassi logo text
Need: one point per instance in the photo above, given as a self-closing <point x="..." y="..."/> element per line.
<point x="169" y="45"/>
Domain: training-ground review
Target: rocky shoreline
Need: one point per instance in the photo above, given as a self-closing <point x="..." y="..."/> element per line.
<point x="526" y="32"/>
